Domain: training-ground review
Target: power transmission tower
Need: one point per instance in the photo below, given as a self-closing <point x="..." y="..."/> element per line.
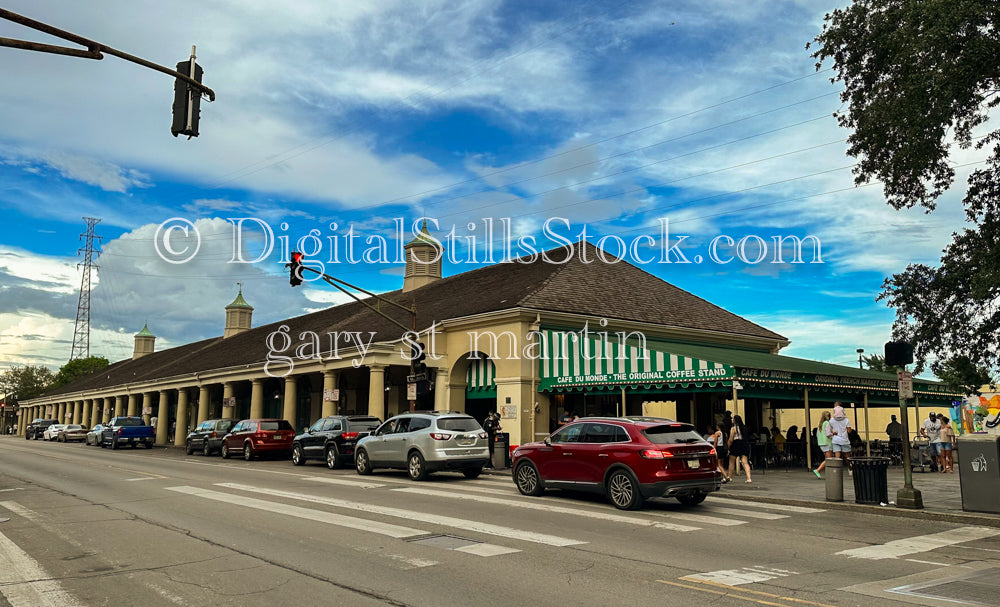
<point x="81" y="334"/>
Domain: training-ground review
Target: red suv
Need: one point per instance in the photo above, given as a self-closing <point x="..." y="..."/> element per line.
<point x="628" y="459"/>
<point x="256" y="436"/>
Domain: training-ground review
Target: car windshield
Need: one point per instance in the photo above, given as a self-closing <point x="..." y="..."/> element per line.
<point x="672" y="434"/>
<point x="458" y="424"/>
<point x="275" y="425"/>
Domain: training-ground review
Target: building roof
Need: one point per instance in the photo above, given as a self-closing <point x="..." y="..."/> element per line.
<point x="565" y="283"/>
<point x="145" y="332"/>
<point x="239" y="302"/>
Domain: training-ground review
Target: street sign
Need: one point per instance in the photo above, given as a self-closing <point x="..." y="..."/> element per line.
<point x="905" y="384"/>
<point x="411" y="391"/>
<point x="331" y="394"/>
<point x="416" y="377"/>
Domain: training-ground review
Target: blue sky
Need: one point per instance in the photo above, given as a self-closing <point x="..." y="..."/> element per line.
<point x="614" y="115"/>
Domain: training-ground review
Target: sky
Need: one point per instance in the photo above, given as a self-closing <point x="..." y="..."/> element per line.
<point x="703" y="119"/>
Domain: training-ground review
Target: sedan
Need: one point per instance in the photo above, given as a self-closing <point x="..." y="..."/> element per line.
<point x="253" y="437"/>
<point x="628" y="459"/>
<point x="52" y="431"/>
<point x="94" y="436"/>
<point x="72" y="433"/>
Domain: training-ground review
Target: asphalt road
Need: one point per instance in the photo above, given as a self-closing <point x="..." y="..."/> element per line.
<point x="91" y="526"/>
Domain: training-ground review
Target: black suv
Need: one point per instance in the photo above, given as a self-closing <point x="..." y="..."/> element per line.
<point x="332" y="439"/>
<point x="207" y="436"/>
<point x="37" y="427"/>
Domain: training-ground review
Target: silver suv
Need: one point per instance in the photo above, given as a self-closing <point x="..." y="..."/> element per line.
<point x="424" y="442"/>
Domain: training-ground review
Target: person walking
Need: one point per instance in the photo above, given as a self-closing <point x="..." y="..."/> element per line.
<point x="895" y="432"/>
<point x="838" y="430"/>
<point x="739" y="447"/>
<point x="947" y="444"/>
<point x="718" y="440"/>
<point x="931" y="429"/>
<point x="823" y="439"/>
<point x="492" y="425"/>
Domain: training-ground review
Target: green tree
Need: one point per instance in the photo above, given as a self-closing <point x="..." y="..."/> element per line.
<point x="962" y="375"/>
<point x="876" y="362"/>
<point x="77" y="368"/>
<point x="26" y="382"/>
<point x="920" y="78"/>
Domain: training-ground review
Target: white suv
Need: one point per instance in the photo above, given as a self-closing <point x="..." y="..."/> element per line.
<point x="424" y="442"/>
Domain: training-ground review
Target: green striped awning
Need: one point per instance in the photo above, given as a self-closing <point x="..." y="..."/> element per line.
<point x="480" y="379"/>
<point x="569" y="359"/>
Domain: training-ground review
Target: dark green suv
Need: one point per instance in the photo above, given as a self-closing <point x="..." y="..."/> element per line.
<point x="37" y="427"/>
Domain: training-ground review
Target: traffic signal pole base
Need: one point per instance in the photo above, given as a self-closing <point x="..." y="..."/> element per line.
<point x="909" y="498"/>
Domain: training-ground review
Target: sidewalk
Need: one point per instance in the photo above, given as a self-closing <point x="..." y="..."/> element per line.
<point x="942" y="494"/>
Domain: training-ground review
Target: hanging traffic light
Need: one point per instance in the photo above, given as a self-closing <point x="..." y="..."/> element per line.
<point x="187" y="100"/>
<point x="295" y="269"/>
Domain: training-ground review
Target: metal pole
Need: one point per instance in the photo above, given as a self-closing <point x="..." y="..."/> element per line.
<point x="191" y="93"/>
<point x="809" y="458"/>
<point x="907" y="497"/>
<point x="868" y="446"/>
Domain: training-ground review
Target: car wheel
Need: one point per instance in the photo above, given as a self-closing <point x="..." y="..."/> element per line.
<point x="297" y="458"/>
<point x="527" y="480"/>
<point x="60" y="439"/>
<point x="361" y="462"/>
<point x="472" y="472"/>
<point x="188" y="448"/>
<point x="206" y="450"/>
<point x="149" y="445"/>
<point x="332" y="457"/>
<point x="225" y="451"/>
<point x="416" y="467"/>
<point x="692" y="499"/>
<point x="114" y="443"/>
<point x="247" y="452"/>
<point x="623" y="490"/>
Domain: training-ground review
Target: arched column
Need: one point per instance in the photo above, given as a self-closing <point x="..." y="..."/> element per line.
<point x="204" y="393"/>
<point x="180" y="431"/>
<point x="109" y="406"/>
<point x="133" y="405"/>
<point x="119" y="406"/>
<point x="163" y="418"/>
<point x="95" y="411"/>
<point x="329" y="385"/>
<point x="289" y="408"/>
<point x="228" y="410"/>
<point x="61" y="413"/>
<point x="376" y="391"/>
<point x="147" y="407"/>
<point x="257" y="399"/>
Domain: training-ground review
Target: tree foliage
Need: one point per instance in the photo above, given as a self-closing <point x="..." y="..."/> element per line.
<point x="77" y="368"/>
<point x="25" y="382"/>
<point x="921" y="77"/>
<point x="962" y="375"/>
<point x="876" y="362"/>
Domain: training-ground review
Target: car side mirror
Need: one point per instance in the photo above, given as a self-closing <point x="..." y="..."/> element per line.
<point x="548" y="441"/>
<point x="371" y="433"/>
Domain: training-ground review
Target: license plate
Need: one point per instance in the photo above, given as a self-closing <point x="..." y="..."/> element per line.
<point x="694" y="463"/>
<point x="279" y="437"/>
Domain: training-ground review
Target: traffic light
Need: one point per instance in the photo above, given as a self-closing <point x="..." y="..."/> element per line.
<point x="898" y="353"/>
<point x="420" y="354"/>
<point x="295" y="269"/>
<point x="187" y="101"/>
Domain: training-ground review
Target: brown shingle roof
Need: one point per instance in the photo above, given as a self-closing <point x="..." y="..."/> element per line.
<point x="614" y="291"/>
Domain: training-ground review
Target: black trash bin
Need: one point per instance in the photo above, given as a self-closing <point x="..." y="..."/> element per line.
<point x="870" y="483"/>
<point x="501" y="450"/>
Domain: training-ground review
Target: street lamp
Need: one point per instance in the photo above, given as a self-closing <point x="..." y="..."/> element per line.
<point x="860" y="352"/>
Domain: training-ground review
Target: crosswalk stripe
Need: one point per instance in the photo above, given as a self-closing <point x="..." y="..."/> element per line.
<point x="700" y="518"/>
<point x="767" y="516"/>
<point x="343" y="481"/>
<point x="24" y="583"/>
<point x="736" y="577"/>
<point x="305" y="513"/>
<point x="549" y="507"/>
<point x="766" y="506"/>
<point x="486" y="550"/>
<point x="921" y="543"/>
<point x="423" y="517"/>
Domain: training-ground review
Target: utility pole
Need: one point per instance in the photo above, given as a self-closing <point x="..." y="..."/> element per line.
<point x="81" y="333"/>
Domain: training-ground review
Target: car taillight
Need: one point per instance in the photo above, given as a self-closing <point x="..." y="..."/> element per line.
<point x="655" y="454"/>
<point x="712" y="451"/>
<point x="349" y="435"/>
<point x="120" y="431"/>
<point x="259" y="435"/>
<point x="214" y="435"/>
<point x="440" y="436"/>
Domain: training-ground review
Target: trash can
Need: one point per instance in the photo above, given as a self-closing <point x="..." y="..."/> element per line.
<point x="870" y="484"/>
<point x="501" y="450"/>
<point x="979" y="472"/>
<point x="834" y="479"/>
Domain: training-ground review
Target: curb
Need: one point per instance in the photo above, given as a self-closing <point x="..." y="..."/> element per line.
<point x="930" y="515"/>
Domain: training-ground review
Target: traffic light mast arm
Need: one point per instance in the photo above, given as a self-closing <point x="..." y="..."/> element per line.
<point x="94" y="49"/>
<point x="336" y="282"/>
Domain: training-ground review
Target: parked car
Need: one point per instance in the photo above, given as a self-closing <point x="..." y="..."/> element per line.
<point x="52" y="431"/>
<point x="207" y="436"/>
<point x="37" y="427"/>
<point x="127" y="431"/>
<point x="72" y="433"/>
<point x="93" y="437"/>
<point x="425" y="442"/>
<point x="255" y="437"/>
<point x="627" y="459"/>
<point x="332" y="439"/>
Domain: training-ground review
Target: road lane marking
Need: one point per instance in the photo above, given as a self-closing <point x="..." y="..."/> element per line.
<point x="13" y="489"/>
<point x="343" y="481"/>
<point x="766" y="506"/>
<point x="24" y="583"/>
<point x="734" y="592"/>
<point x="20" y="510"/>
<point x="423" y="517"/>
<point x="330" y="518"/>
<point x="144" y="478"/>
<point x="486" y="550"/>
<point x="547" y="507"/>
<point x="920" y="543"/>
<point x="699" y="518"/>
<point x="736" y="577"/>
<point x="768" y="516"/>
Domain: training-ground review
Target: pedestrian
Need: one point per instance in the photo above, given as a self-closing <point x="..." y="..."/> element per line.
<point x="718" y="440"/>
<point x="492" y="426"/>
<point x="823" y="437"/>
<point x="567" y="417"/>
<point x="895" y="432"/>
<point x="931" y="429"/>
<point x="947" y="444"/>
<point x="739" y="447"/>
<point x="840" y="442"/>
